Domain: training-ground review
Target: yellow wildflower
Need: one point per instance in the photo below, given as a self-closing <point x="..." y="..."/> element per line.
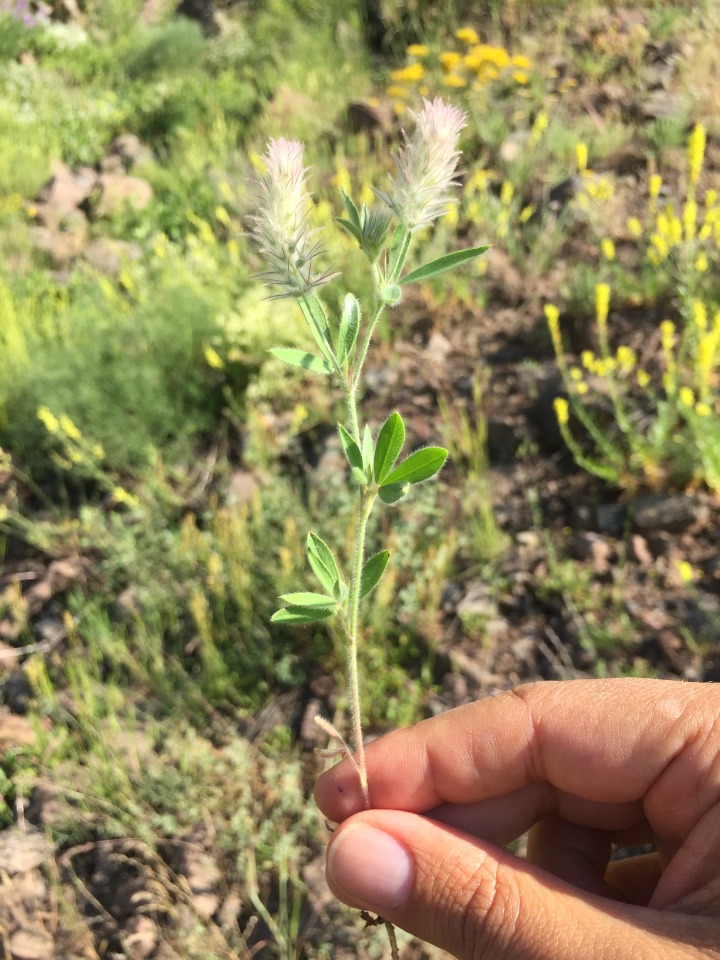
<point x="213" y="358"/>
<point x="69" y="428"/>
<point x="449" y="59"/>
<point x="581" y="389"/>
<point x="608" y="248"/>
<point x="395" y="90"/>
<point x="525" y="214"/>
<point x="521" y="62"/>
<point x="507" y="192"/>
<point x="686" y="396"/>
<point x="602" y="303"/>
<point x="699" y="315"/>
<point x="690" y="219"/>
<point x="409" y="74"/>
<point x="521" y="77"/>
<point x="552" y="315"/>
<point x="562" y="410"/>
<point x="581" y="153"/>
<point x="625" y="357"/>
<point x="222" y="216"/>
<point x="467" y="35"/>
<point x="48" y="419"/>
<point x="634" y="227"/>
<point x="696" y="153"/>
<point x="454" y="80"/>
<point x="685" y="569"/>
<point x="587" y="358"/>
<point x="643" y="379"/>
<point x="576" y="373"/>
<point x="703" y="410"/>
<point x="418" y="50"/>
<point x="120" y="495"/>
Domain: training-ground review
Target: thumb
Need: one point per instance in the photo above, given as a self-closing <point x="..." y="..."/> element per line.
<point x="473" y="899"/>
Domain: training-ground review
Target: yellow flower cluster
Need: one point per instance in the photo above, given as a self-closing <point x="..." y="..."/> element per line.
<point x="471" y="65"/>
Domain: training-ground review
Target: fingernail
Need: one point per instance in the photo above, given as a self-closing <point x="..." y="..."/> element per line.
<point x="370" y="868"/>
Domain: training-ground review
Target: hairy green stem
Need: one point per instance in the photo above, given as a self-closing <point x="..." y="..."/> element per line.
<point x="367" y="500"/>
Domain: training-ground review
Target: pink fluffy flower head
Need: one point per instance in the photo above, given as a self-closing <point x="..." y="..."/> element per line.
<point x="424" y="183"/>
<point x="280" y="224"/>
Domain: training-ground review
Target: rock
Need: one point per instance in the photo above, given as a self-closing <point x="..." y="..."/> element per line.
<point x="141" y="937"/>
<point x="641" y="551"/>
<point x="528" y="539"/>
<point x="22" y="850"/>
<point x="610" y="518"/>
<point x="663" y="105"/>
<point x="514" y="146"/>
<point x="369" y="118"/>
<point x="202" y="11"/>
<point x="591" y="546"/>
<point x="503" y="440"/>
<point x="18" y="692"/>
<point x="31" y="945"/>
<point x="477" y="601"/>
<point x="108" y="255"/>
<point x="451" y="595"/>
<point x="131" y="150"/>
<point x="671" y="513"/>
<point x="119" y="190"/>
<point x="67" y="190"/>
<point x="9" y="657"/>
<point x="65" y="240"/>
<point x="15" y="731"/>
<point x="242" y="487"/>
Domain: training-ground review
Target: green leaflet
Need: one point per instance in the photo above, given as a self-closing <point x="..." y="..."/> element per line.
<point x="301" y="358"/>
<point x="349" y="327"/>
<point x="443" y="264"/>
<point x="392" y="492"/>
<point x="389" y="444"/>
<point x="372" y="571"/>
<point x="316" y="319"/>
<point x="297" y="615"/>
<point x="399" y="246"/>
<point x="323" y="563"/>
<point x="304" y="599"/>
<point x="351" y="449"/>
<point x="367" y="450"/>
<point x="418" y="466"/>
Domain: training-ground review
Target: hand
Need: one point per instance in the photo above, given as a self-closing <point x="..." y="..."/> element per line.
<point x="582" y="765"/>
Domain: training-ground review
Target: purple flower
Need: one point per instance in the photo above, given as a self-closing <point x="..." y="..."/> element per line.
<point x="280" y="226"/>
<point x="424" y="182"/>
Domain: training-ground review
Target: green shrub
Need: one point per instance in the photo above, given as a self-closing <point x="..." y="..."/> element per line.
<point x="175" y="47"/>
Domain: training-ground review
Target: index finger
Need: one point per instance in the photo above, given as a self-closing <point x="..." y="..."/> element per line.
<point x="608" y="741"/>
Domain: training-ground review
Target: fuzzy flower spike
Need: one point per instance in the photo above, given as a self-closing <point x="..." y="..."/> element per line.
<point x="423" y="186"/>
<point x="280" y="225"/>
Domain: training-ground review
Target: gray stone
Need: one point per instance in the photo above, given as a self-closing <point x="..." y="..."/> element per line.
<point x="118" y="191"/>
<point x="671" y="513"/>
